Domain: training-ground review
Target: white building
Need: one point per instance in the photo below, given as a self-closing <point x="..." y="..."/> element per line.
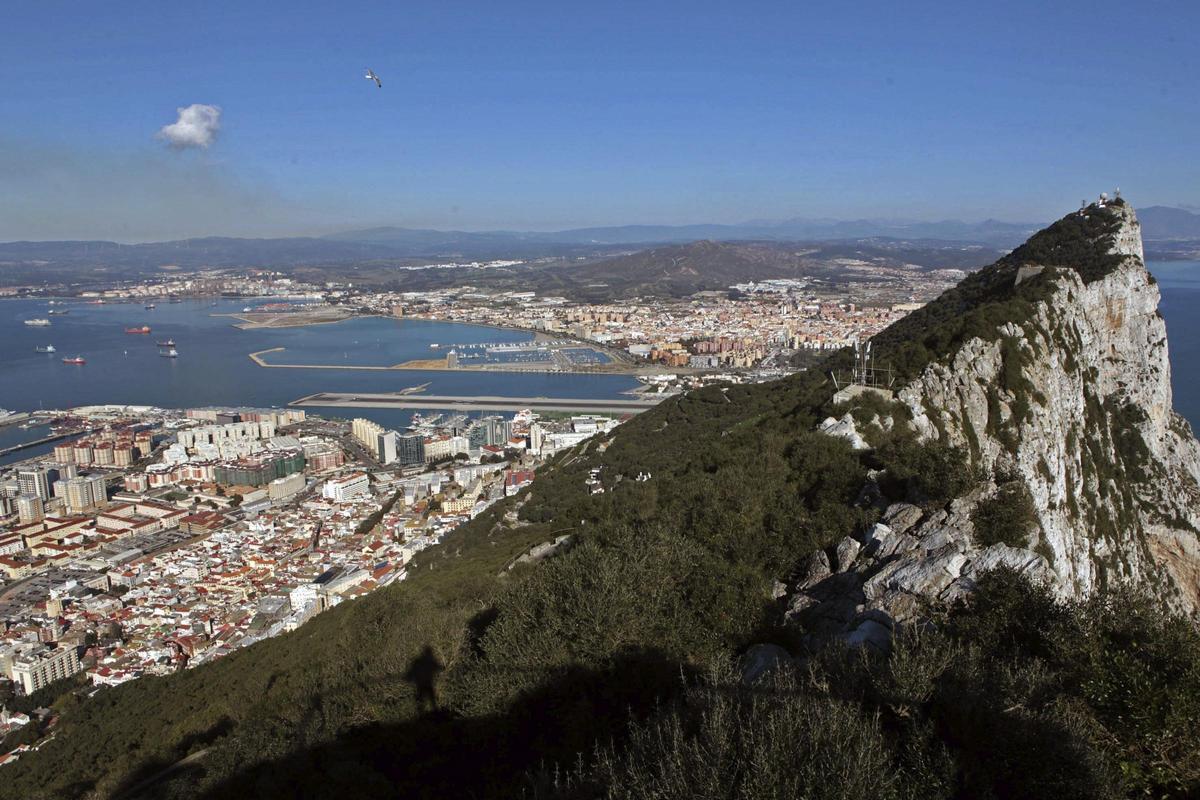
<point x="385" y="447"/>
<point x="44" y="666"/>
<point x="282" y="488"/>
<point x="342" y="489"/>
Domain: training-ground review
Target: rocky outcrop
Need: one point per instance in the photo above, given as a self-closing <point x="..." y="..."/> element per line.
<point x="888" y="574"/>
<point x="844" y="428"/>
<point x="1072" y="400"/>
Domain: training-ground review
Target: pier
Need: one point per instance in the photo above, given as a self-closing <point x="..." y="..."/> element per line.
<point x="469" y="403"/>
<point x="26" y="445"/>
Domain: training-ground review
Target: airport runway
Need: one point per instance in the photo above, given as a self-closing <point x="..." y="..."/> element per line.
<point x="469" y="403"/>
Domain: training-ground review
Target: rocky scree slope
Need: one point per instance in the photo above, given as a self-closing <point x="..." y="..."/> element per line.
<point x="1056" y="382"/>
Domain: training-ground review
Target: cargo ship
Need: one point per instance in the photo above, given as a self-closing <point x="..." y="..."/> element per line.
<point x="172" y="353"/>
<point x="142" y="330"/>
<point x="167" y="343"/>
<point x="45" y="348"/>
<point x="37" y="323"/>
<point x="75" y="360"/>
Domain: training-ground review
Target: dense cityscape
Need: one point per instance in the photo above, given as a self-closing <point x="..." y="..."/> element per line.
<point x="157" y="540"/>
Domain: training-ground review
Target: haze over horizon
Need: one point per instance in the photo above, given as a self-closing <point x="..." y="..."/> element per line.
<point x="163" y="123"/>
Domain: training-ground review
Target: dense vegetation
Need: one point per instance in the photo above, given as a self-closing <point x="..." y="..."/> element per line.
<point x="607" y="670"/>
<point x="1011" y="695"/>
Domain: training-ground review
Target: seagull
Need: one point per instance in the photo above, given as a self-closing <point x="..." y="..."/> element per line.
<point x="371" y="76"/>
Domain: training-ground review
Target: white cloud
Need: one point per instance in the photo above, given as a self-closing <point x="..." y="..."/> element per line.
<point x="197" y="126"/>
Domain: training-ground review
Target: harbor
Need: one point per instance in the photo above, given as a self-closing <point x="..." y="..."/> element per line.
<point x="212" y="367"/>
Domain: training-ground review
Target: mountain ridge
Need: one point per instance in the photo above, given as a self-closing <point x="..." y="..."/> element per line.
<point x="1064" y="406"/>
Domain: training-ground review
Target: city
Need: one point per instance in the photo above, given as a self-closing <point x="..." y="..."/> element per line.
<point x="159" y="540"/>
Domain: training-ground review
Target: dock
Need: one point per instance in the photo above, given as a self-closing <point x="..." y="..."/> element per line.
<point x="474" y="403"/>
<point x="26" y="445"/>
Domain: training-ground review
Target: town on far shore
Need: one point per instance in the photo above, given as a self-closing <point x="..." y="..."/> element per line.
<point x="749" y="331"/>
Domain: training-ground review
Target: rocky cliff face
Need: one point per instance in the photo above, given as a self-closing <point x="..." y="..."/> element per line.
<point x="1069" y="405"/>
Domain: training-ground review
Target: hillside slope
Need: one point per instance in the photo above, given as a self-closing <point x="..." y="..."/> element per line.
<point x="681" y="270"/>
<point x="762" y="542"/>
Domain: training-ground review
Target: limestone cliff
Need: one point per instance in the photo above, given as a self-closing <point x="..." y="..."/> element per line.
<point x="1065" y="396"/>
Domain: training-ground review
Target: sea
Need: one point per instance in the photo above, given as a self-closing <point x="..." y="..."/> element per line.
<point x="213" y="367"/>
<point x="1179" y="284"/>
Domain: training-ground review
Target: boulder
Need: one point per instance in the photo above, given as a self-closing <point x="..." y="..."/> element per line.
<point x="814" y="570"/>
<point x="847" y="551"/>
<point x="902" y="516"/>
<point x="896" y="546"/>
<point x="927" y="576"/>
<point x="870" y="634"/>
<point x="1017" y="558"/>
<point x="763" y="659"/>
<point x="798" y="604"/>
<point x="844" y="428"/>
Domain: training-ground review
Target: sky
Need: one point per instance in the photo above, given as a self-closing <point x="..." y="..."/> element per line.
<point x="543" y="116"/>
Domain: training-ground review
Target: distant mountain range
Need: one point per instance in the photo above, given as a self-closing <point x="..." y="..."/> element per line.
<point x="1163" y="223"/>
<point x="1158" y="223"/>
<point x="1004" y="234"/>
<point x="1168" y="231"/>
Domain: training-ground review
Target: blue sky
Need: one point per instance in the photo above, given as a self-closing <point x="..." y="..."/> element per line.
<point x="552" y="115"/>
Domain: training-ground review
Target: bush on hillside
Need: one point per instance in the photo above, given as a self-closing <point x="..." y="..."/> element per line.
<point x="924" y="472"/>
<point x="1006" y="517"/>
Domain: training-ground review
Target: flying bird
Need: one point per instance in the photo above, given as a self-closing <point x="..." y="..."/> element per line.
<point x="371" y="76"/>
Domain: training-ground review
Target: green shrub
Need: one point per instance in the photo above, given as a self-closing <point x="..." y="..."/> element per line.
<point x="929" y="471"/>
<point x="727" y="741"/>
<point x="1007" y="517"/>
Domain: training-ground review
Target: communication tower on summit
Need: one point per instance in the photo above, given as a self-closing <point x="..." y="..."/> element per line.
<point x="864" y="376"/>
